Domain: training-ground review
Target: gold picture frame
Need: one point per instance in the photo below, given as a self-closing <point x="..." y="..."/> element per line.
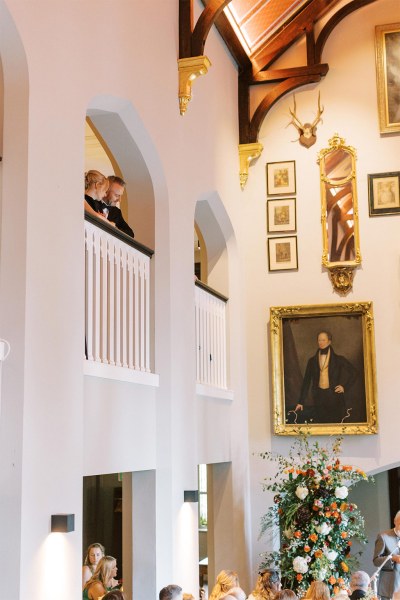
<point x="351" y="391"/>
<point x="281" y="178"/>
<point x="282" y="253"/>
<point x="387" y="42"/>
<point x="281" y="215"/>
<point x="384" y="194"/>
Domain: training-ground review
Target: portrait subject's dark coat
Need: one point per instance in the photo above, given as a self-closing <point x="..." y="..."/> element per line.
<point x="340" y="372"/>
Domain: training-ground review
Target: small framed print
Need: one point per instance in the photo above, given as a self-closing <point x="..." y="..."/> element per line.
<point x="387" y="41"/>
<point x="281" y="215"/>
<point x="282" y="253"/>
<point x="384" y="194"/>
<point x="281" y="178"/>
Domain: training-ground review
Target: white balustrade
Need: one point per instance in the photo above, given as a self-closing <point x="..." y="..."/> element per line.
<point x="210" y="322"/>
<point x="117" y="311"/>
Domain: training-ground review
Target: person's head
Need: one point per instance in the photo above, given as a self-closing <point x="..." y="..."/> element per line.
<point x="397" y="521"/>
<point x="115" y="190"/>
<point x="226" y="580"/>
<point x="359" y="580"/>
<point x="171" y="592"/>
<point x="324" y="339"/>
<point x="285" y="595"/>
<point x="94" y="553"/>
<point x="105" y="570"/>
<point x="96" y="184"/>
<point x="269" y="581"/>
<point x="318" y="590"/>
<point x="114" y="595"/>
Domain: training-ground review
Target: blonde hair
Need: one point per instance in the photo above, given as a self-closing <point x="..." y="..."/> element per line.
<point x="93" y="177"/>
<point x="95" y="545"/>
<point x="265" y="580"/>
<point x="318" y="590"/>
<point x="103" y="572"/>
<point x="226" y="580"/>
<point x="285" y="595"/>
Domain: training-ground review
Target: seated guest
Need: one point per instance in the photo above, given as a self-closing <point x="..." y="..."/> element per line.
<point x="318" y="590"/>
<point x="102" y="580"/>
<point x="96" y="186"/>
<point x="94" y="553"/>
<point x="359" y="584"/>
<point x="113" y="198"/>
<point x="227" y="587"/>
<point x="267" y="585"/>
<point x="171" y="592"/>
<point x="285" y="595"/>
<point x="114" y="595"/>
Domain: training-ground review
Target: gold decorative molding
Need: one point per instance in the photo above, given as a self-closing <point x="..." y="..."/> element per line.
<point x="189" y="69"/>
<point x="247" y="154"/>
<point x="342" y="279"/>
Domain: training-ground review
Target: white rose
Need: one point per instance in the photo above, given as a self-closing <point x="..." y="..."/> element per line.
<point x="300" y="565"/>
<point x="324" y="528"/>
<point x="341" y="492"/>
<point x="301" y="492"/>
<point x="331" y="555"/>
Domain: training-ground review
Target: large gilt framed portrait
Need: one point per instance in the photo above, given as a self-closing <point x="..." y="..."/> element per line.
<point x="387" y="42"/>
<point x="323" y="369"/>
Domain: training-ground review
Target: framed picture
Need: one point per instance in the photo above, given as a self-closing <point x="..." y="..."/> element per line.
<point x="282" y="253"/>
<point x="281" y="215"/>
<point x="323" y="369"/>
<point x="387" y="43"/>
<point x="384" y="194"/>
<point x="281" y="178"/>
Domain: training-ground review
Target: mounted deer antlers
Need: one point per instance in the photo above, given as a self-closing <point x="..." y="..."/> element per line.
<point x="308" y="131"/>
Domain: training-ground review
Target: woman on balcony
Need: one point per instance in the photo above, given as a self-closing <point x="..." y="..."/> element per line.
<point x="96" y="186"/>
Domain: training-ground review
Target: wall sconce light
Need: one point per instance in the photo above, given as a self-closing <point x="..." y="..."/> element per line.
<point x="191" y="495"/>
<point x="62" y="523"/>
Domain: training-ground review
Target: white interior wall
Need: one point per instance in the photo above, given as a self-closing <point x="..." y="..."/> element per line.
<point x="188" y="158"/>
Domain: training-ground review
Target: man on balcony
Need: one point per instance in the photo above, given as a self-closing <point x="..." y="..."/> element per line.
<point x="112" y="202"/>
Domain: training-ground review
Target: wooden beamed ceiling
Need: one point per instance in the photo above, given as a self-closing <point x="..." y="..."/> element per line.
<point x="256" y="67"/>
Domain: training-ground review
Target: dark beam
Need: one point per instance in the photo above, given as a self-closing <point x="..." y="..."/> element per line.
<point x="335" y="20"/>
<point x="274" y="75"/>
<point x="185" y="27"/>
<point x="310" y="41"/>
<point x="230" y="38"/>
<point x="204" y="24"/>
<point x="290" y="34"/>
<point x="273" y="96"/>
<point x="244" y="108"/>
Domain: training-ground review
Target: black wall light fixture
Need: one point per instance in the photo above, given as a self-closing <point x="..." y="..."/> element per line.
<point x="62" y="523"/>
<point x="191" y="495"/>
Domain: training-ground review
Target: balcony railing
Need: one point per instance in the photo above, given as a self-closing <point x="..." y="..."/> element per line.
<point x="117" y="308"/>
<point x="210" y="319"/>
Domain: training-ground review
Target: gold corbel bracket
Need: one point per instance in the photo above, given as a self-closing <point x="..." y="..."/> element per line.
<point x="247" y="154"/>
<point x="189" y="69"/>
<point x="342" y="279"/>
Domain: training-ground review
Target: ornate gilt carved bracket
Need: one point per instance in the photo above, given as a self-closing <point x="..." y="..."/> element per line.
<point x="189" y="69"/>
<point x="247" y="154"/>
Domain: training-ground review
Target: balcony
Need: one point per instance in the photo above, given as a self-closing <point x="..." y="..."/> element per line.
<point x="118" y="305"/>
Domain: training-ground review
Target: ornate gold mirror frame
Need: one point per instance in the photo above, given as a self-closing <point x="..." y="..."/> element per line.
<point x="339" y="216"/>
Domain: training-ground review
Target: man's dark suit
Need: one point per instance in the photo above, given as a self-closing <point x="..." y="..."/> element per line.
<point x="357" y="594"/>
<point x="115" y="215"/>
<point x="389" y="578"/>
<point x="329" y="406"/>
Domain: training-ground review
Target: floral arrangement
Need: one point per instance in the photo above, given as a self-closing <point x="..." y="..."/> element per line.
<point x="315" y="517"/>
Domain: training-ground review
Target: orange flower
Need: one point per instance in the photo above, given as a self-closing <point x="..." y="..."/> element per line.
<point x="299" y="576"/>
<point x="332" y="580"/>
<point x="333" y="506"/>
<point x="349" y="543"/>
<point x="340" y="580"/>
<point x="307" y="548"/>
<point x="344" y="567"/>
<point x="313" y="537"/>
<point x="335" y="514"/>
<point x="318" y="553"/>
<point x="347" y="467"/>
<point x="297" y="534"/>
<point x="316" y="508"/>
<point x="335" y="589"/>
<point x="328" y="514"/>
<point x="343" y="506"/>
<point x="344" y="534"/>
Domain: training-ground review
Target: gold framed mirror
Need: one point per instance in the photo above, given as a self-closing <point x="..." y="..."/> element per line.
<point x="339" y="213"/>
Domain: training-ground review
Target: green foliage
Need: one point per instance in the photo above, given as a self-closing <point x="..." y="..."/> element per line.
<point x="312" y="512"/>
